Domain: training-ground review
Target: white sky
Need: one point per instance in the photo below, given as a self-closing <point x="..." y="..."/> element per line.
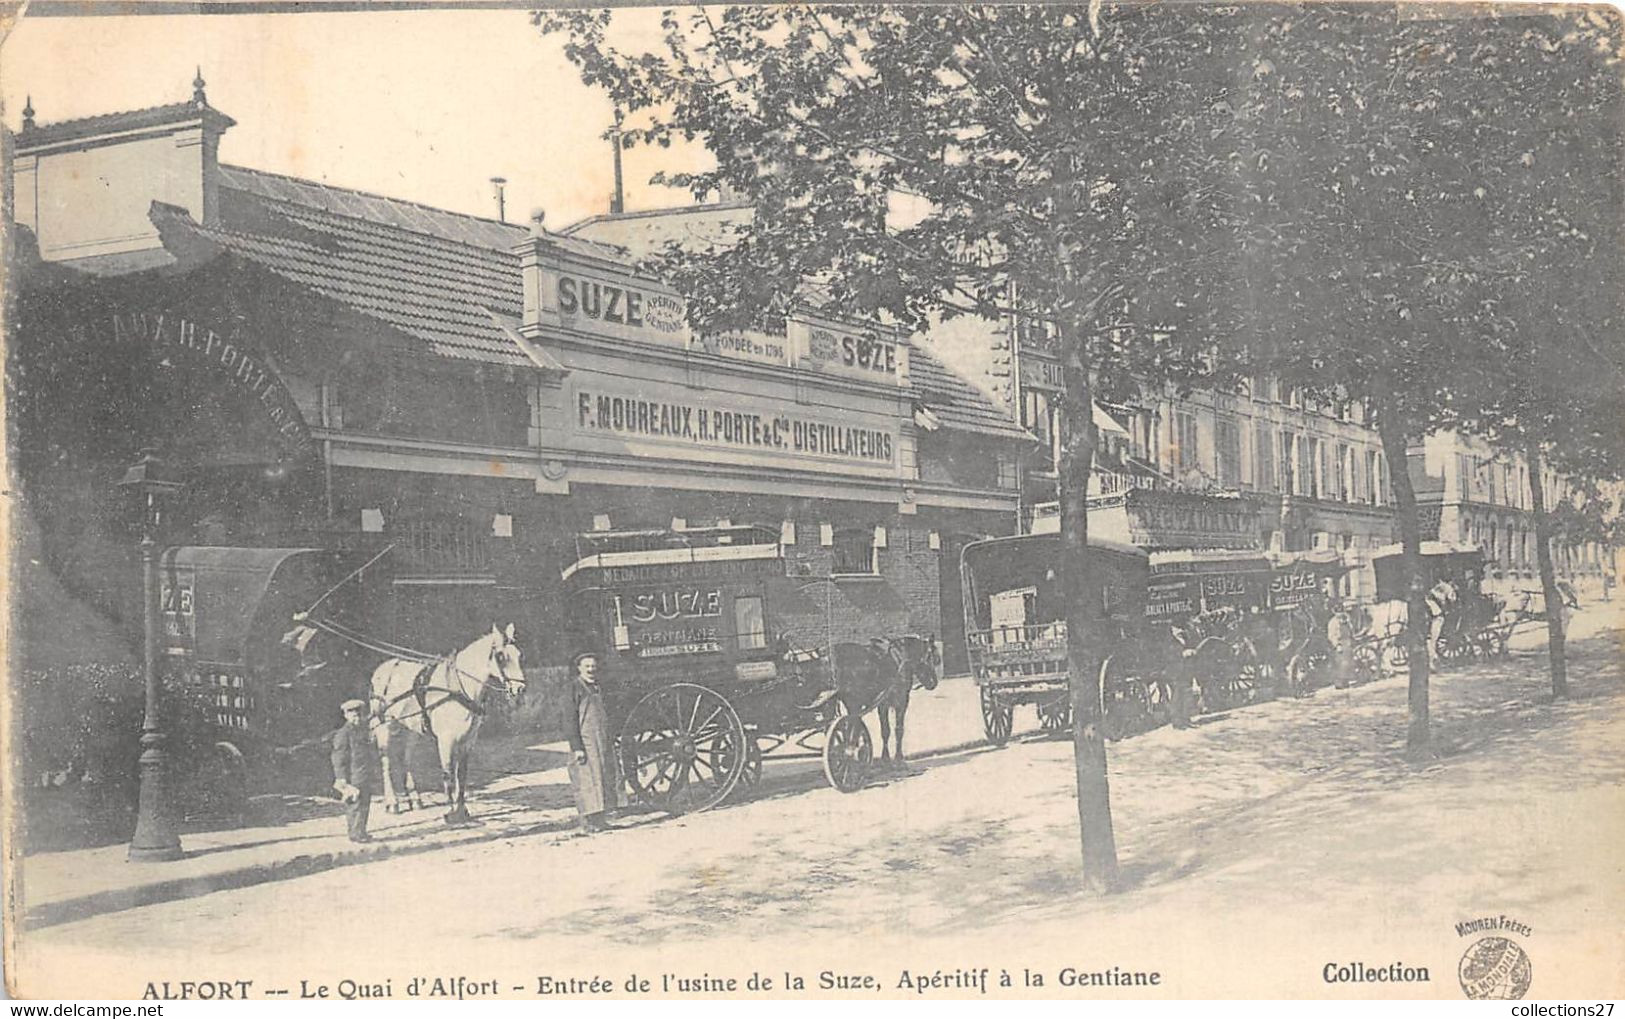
<point x="421" y="105"/>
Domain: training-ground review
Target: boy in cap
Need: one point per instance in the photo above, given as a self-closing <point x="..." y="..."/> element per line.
<point x="356" y="769"/>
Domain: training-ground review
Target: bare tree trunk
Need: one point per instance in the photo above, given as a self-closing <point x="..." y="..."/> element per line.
<point x="1548" y="576"/>
<point x="1395" y="439"/>
<point x="1082" y="593"/>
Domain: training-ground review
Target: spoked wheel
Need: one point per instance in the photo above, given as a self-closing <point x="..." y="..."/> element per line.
<point x="1055" y="716"/>
<point x="1300" y="675"/>
<point x="750" y="776"/>
<point x="682" y="749"/>
<point x="1367" y="662"/>
<point x="1397" y="654"/>
<point x="997" y="718"/>
<point x="848" y="753"/>
<point x="1247" y="682"/>
<point x="1500" y="639"/>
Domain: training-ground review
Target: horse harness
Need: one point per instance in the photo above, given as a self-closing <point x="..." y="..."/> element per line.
<point x="896" y="650"/>
<point x="421" y="689"/>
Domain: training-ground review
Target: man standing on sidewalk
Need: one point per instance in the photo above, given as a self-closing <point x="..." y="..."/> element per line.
<point x="356" y="770"/>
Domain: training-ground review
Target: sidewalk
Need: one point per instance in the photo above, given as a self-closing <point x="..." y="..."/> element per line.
<point x="60" y="887"/>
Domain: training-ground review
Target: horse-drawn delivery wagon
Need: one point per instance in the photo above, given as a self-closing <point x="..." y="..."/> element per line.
<point x="719" y="654"/>
<point x="1015" y="627"/>
<point x="224" y="614"/>
<point x="1464" y="622"/>
<point x="1303" y="600"/>
<point x="1213" y="603"/>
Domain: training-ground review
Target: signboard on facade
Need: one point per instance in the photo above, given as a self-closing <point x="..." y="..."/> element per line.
<point x="607" y="303"/>
<point x="1159" y="519"/>
<point x="722" y="421"/>
<point x="829" y="348"/>
<point x="229" y="363"/>
<point x="621" y="308"/>
<point x="758" y="348"/>
<point x="1293" y="587"/>
<point x="1041" y="372"/>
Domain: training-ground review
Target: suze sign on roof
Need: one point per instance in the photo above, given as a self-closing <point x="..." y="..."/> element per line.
<point x="637" y="311"/>
<point x="641" y="311"/>
<point x="847" y="350"/>
<point x="621" y="309"/>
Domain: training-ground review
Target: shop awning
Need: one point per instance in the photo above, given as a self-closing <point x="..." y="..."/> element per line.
<point x="1104" y="422"/>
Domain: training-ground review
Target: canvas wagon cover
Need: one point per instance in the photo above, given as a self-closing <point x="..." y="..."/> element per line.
<point x="1440" y="560"/>
<point x="222" y="603"/>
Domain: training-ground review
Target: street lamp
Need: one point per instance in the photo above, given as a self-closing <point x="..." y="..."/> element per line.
<point x="156" y="837"/>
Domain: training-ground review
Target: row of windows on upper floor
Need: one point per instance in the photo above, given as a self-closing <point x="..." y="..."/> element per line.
<point x="1281" y="460"/>
<point x="1501" y="482"/>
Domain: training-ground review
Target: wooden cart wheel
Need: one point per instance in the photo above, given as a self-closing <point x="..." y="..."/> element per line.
<point x="1056" y="715"/>
<point x="682" y="748"/>
<point x="848" y="752"/>
<point x="752" y="775"/>
<point x="1453" y="648"/>
<point x="1299" y="678"/>
<point x="1367" y="662"/>
<point x="997" y="718"/>
<point x="1247" y="683"/>
<point x="1398" y="655"/>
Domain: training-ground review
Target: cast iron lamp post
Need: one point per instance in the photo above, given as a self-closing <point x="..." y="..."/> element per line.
<point x="156" y="837"/>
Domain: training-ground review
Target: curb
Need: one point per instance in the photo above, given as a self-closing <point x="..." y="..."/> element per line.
<point x="119" y="899"/>
<point x="116" y="900"/>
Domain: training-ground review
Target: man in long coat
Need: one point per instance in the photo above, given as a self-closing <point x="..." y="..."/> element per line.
<point x="356" y="769"/>
<point x="592" y="761"/>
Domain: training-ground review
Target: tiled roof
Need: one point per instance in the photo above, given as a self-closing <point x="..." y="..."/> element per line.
<point x="440" y="276"/>
<point x="125" y="120"/>
<point x="955" y="402"/>
<point x="394" y="212"/>
<point x="441" y="291"/>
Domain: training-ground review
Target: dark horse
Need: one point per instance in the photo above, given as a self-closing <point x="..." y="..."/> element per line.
<point x="882" y="674"/>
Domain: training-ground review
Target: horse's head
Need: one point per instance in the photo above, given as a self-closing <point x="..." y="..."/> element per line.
<point x="922" y="660"/>
<point x="504" y="662"/>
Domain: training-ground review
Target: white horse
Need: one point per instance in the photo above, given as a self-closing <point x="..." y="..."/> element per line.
<point x="1390" y="619"/>
<point x="443" y="699"/>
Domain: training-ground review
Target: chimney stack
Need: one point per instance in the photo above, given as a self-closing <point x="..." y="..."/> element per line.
<point x="502" y="205"/>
